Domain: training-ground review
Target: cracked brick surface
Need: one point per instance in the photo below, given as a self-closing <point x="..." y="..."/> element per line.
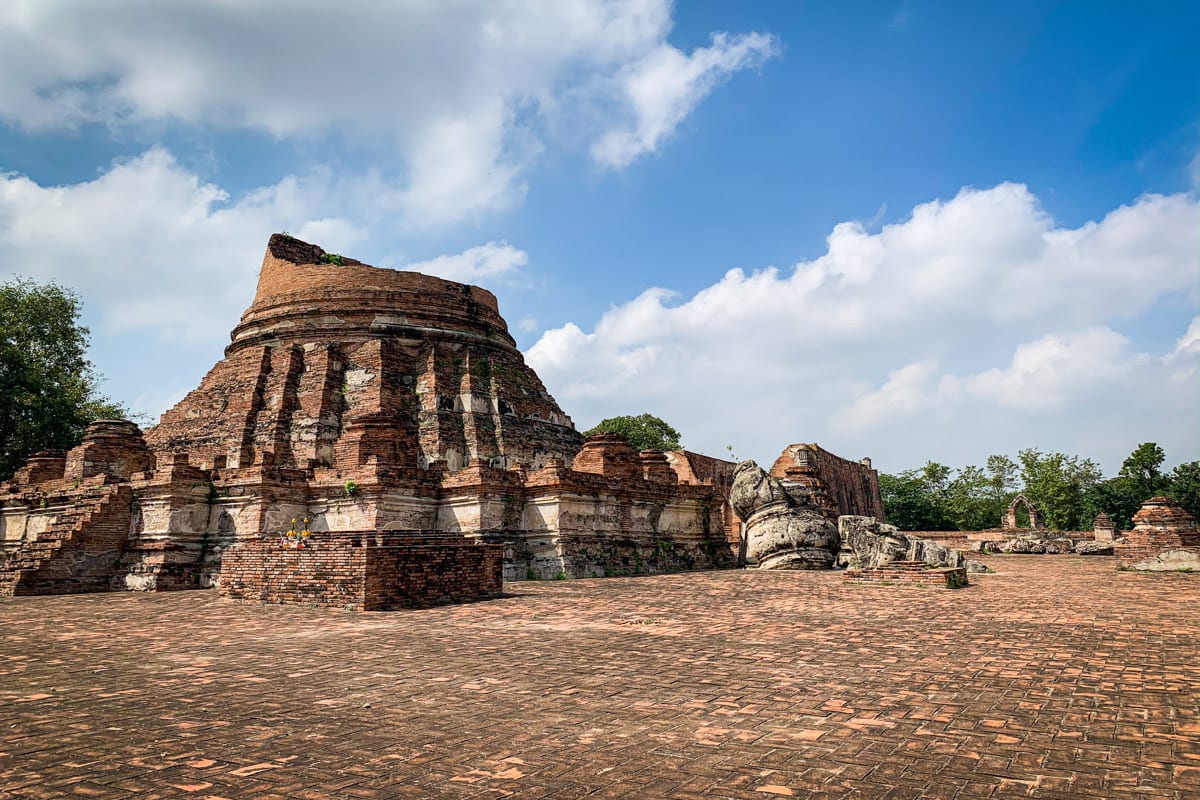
<point x="1058" y="677"/>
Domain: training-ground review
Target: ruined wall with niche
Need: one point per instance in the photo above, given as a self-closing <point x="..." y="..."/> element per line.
<point x="839" y="486"/>
<point x="612" y="511"/>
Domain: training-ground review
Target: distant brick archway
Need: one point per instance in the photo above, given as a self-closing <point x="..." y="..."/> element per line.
<point x="1009" y="520"/>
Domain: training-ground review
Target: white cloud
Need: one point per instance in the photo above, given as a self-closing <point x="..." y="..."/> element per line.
<point x="165" y="262"/>
<point x="977" y="325"/>
<point x="1047" y="373"/>
<point x="1056" y="371"/>
<point x="478" y="265"/>
<point x="153" y="247"/>
<point x="454" y="99"/>
<point x="908" y="390"/>
<point x="1189" y="343"/>
<point x="664" y="86"/>
<point x="149" y="244"/>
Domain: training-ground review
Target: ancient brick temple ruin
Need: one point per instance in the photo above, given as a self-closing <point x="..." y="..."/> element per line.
<point x="1164" y="538"/>
<point x="354" y="399"/>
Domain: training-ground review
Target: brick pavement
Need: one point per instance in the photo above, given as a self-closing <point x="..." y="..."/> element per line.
<point x="1058" y="677"/>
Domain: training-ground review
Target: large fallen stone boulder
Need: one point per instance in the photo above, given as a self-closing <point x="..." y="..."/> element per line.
<point x="1170" y="561"/>
<point x="869" y="543"/>
<point x="784" y="528"/>
<point x="1032" y="545"/>
<point x="1094" y="548"/>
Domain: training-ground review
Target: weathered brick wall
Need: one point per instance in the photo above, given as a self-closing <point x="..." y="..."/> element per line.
<point x="610" y="455"/>
<point x="695" y="468"/>
<point x="111" y="447"/>
<point x="82" y="551"/>
<point x="47" y="465"/>
<point x="364" y="571"/>
<point x="839" y="486"/>
<point x="418" y="575"/>
<point x="325" y="576"/>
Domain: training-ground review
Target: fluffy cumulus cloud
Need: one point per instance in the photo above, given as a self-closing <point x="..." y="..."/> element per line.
<point x="476" y="265"/>
<point x="150" y="245"/>
<point x="155" y="248"/>
<point x="166" y="262"/>
<point x="975" y="325"/>
<point x="453" y="136"/>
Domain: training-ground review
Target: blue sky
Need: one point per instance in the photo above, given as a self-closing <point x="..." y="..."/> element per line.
<point x="961" y="229"/>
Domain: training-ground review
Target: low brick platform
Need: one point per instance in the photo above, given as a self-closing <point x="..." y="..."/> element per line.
<point x="912" y="573"/>
<point x="1053" y="678"/>
<point x="365" y="571"/>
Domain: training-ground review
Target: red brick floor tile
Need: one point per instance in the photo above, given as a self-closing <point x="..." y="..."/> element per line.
<point x="1055" y="677"/>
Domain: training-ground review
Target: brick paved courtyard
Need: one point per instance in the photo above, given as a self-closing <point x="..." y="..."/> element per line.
<point x="1056" y="677"/>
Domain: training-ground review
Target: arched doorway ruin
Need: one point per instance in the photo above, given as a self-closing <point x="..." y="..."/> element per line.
<point x="1009" y="521"/>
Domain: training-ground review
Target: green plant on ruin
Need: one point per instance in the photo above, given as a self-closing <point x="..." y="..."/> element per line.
<point x="331" y="258"/>
<point x="643" y="432"/>
<point x="561" y="575"/>
<point x="530" y="574"/>
<point x="663" y="548"/>
<point x="350" y="488"/>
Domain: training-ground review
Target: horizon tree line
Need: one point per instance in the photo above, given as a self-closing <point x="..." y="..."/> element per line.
<point x="1068" y="490"/>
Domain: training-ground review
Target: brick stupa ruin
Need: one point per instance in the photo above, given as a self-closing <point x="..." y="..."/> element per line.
<point x="373" y="400"/>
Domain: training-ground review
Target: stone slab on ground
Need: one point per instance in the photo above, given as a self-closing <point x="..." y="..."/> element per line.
<point x="1184" y="559"/>
<point x="1054" y="678"/>
<point x="910" y="573"/>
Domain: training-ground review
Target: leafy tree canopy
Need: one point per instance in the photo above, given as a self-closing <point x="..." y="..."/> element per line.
<point x="644" y="432"/>
<point x="1057" y="484"/>
<point x="1185" y="487"/>
<point x="911" y="503"/>
<point x="1144" y="469"/>
<point x="48" y="386"/>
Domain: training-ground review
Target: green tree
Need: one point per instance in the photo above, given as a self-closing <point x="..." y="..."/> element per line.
<point x="644" y="432"/>
<point x="1002" y="474"/>
<point x="48" y="386"/>
<point x="1059" y="485"/>
<point x="1117" y="497"/>
<point x="971" y="500"/>
<point x="1141" y="477"/>
<point x="1143" y="470"/>
<point x="911" y="502"/>
<point x="1185" y="487"/>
